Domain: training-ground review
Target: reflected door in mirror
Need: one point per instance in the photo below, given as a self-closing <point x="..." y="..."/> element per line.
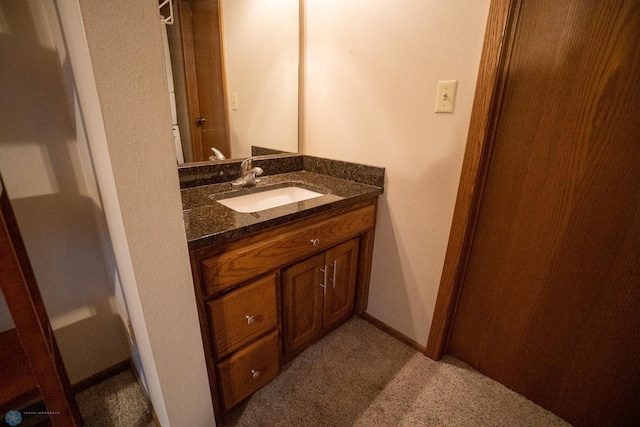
<point x="204" y="78"/>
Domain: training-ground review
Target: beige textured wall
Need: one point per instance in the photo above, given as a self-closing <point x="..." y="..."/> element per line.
<point x="134" y="159"/>
<point x="45" y="164"/>
<point x="261" y="51"/>
<point x="372" y="73"/>
<point x="372" y="70"/>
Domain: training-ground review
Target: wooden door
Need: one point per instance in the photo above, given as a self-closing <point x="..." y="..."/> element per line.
<point x="201" y="32"/>
<point x="302" y="299"/>
<point x="550" y="297"/>
<point x="342" y="264"/>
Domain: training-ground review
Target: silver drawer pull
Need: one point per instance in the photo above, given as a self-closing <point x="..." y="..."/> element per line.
<point x="324" y="279"/>
<point x="255" y="374"/>
<point x="250" y="319"/>
<point x="315" y="242"/>
<point x="335" y="267"/>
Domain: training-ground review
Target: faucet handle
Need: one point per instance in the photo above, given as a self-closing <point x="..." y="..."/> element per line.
<point x="246" y="164"/>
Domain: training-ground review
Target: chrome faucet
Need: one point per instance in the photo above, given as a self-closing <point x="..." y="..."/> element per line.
<point x="217" y="154"/>
<point x="248" y="174"/>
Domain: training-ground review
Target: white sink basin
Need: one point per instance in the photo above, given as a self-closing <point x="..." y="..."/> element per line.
<point x="268" y="199"/>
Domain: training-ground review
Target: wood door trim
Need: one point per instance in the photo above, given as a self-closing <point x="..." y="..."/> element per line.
<point x="503" y="15"/>
<point x="191" y="82"/>
<point x="225" y="94"/>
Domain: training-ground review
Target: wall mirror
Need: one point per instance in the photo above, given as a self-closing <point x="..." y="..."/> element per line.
<point x="235" y="73"/>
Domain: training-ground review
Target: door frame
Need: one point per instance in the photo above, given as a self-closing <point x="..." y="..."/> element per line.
<point x="198" y="149"/>
<point x="492" y="76"/>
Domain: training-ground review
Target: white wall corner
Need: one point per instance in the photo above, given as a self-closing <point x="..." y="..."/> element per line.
<point x="121" y="82"/>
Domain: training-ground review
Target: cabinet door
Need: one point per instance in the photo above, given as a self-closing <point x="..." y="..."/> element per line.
<point x="302" y="298"/>
<point x="342" y="264"/>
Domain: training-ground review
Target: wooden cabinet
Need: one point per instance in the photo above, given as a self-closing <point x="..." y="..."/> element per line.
<point x="317" y="294"/>
<point x="243" y="335"/>
<point x="340" y="286"/>
<point x="232" y="263"/>
<point x="241" y="316"/>
<point x="264" y="298"/>
<point x="302" y="301"/>
<point x="249" y="369"/>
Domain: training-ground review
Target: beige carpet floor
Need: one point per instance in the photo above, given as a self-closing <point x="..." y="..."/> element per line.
<point x="355" y="376"/>
<point x="116" y="402"/>
<point x="360" y="376"/>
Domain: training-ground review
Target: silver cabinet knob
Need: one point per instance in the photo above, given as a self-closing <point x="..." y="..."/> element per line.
<point x="255" y="374"/>
<point x="315" y="242"/>
<point x="250" y="319"/>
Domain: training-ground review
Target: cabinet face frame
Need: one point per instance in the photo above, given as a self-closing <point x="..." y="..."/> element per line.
<point x="363" y="233"/>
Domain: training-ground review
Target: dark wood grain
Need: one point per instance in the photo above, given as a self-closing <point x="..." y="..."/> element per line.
<point x="236" y="372"/>
<point x="341" y="264"/>
<point x="257" y="255"/>
<point x="500" y="24"/>
<point x="190" y="76"/>
<point x="302" y="304"/>
<point x="393" y="332"/>
<point x="550" y="293"/>
<point x="207" y="43"/>
<point x="333" y="227"/>
<point x="228" y="315"/>
<point x="364" y="265"/>
<point x="203" y="58"/>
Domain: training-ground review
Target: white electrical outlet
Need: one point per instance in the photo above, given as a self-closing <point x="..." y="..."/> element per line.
<point x="445" y="98"/>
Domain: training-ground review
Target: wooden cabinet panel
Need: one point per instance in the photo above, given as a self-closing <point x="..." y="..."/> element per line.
<point x="253" y="275"/>
<point x="249" y="369"/>
<point x="315" y="301"/>
<point x="342" y="262"/>
<point x="259" y="256"/>
<point x="302" y="298"/>
<point x="243" y="315"/>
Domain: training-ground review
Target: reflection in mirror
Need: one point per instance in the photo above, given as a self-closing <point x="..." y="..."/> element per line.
<point x="235" y="73"/>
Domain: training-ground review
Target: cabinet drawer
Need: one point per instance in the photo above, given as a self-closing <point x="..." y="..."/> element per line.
<point x="249" y="369"/>
<point x="260" y="256"/>
<point x="243" y="315"/>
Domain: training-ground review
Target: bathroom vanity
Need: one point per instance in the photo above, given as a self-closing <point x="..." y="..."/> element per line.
<point x="270" y="283"/>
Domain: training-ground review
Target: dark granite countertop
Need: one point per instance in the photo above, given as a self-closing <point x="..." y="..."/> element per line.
<point x="208" y="222"/>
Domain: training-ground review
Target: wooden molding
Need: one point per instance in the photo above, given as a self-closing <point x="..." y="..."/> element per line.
<point x="103" y="375"/>
<point x="189" y="70"/>
<point x="364" y="265"/>
<point x="486" y="104"/>
<point x="394" y="333"/>
<point x="225" y="120"/>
